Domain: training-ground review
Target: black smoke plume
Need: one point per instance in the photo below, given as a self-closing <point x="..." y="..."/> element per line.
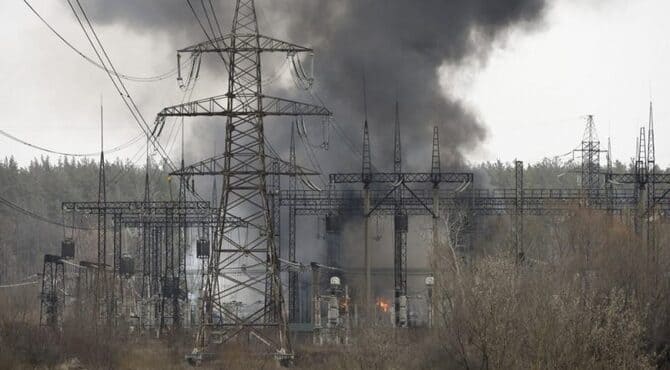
<point x="399" y="45"/>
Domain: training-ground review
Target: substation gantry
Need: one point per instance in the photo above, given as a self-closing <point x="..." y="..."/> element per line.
<point x="458" y="195"/>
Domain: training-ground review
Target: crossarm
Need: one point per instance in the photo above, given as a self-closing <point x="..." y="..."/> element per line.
<point x="244" y="106"/>
<point x="245" y="43"/>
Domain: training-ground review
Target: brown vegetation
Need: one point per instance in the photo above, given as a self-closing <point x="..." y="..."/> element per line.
<point x="588" y="294"/>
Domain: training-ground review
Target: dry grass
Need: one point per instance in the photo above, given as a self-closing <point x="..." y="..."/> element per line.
<point x="587" y="303"/>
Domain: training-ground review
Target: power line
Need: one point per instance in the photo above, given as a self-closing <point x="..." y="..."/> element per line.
<point x="155" y="78"/>
<point x="209" y="21"/>
<point x="123" y="91"/>
<point x="14" y="285"/>
<point x="204" y="30"/>
<point x="195" y="14"/>
<point x="137" y="156"/>
<point x="119" y="85"/>
<point x="216" y="18"/>
<point x="36" y="216"/>
<point x="313" y="159"/>
<point x="93" y="154"/>
<point x="340" y="131"/>
<point x="123" y="170"/>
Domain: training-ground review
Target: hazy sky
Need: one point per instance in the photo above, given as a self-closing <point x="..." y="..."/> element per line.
<point x="605" y="58"/>
<point x="588" y="57"/>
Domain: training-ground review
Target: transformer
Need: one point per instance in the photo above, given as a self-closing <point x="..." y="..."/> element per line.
<point x="67" y="249"/>
<point x="403" y="312"/>
<point x="202" y="248"/>
<point x="333" y="225"/>
<point x="127" y="266"/>
<point x="401" y="223"/>
<point x="171" y="288"/>
<point x="50" y="258"/>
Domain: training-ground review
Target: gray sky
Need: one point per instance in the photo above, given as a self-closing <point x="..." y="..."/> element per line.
<point x="604" y="58"/>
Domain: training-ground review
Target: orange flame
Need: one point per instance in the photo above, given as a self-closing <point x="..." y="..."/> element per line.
<point x="383" y="305"/>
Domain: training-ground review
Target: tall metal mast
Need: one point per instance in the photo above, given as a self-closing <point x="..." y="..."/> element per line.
<point x="293" y="288"/>
<point x="651" y="145"/>
<point x="400" y="227"/>
<point x="245" y="232"/>
<point x="651" y="186"/>
<point x="435" y="167"/>
<point x="366" y="176"/>
<point x="147" y="291"/>
<point x="590" y="159"/>
<point x="435" y="170"/>
<point x="102" y="290"/>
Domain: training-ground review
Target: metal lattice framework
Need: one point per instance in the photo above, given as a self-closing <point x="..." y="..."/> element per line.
<point x="590" y="150"/>
<point x="400" y="227"/>
<point x="398" y="194"/>
<point x="518" y="211"/>
<point x="52" y="297"/>
<point x="162" y="254"/>
<point x="252" y="240"/>
<point x="293" y="277"/>
<point x="164" y="227"/>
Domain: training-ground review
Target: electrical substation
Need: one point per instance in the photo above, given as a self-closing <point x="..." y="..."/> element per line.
<point x="230" y="267"/>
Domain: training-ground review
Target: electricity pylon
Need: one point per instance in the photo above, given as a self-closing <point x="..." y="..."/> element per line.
<point x="590" y="159"/>
<point x="245" y="235"/>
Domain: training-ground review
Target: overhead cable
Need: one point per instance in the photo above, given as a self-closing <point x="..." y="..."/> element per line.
<point x="155" y="78"/>
<point x="118" y="84"/>
<point x="35" y="146"/>
<point x="212" y="38"/>
<point x="14" y="285"/>
<point x="36" y="216"/>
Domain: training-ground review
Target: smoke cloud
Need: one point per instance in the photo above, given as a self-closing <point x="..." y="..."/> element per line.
<point x="399" y="45"/>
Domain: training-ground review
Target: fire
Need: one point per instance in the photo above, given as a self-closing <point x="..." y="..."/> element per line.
<point x="383" y="304"/>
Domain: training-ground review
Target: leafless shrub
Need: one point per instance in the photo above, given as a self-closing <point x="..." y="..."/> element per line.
<point x="585" y="307"/>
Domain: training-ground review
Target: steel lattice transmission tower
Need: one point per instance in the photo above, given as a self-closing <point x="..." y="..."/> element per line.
<point x="590" y="158"/>
<point x="244" y="257"/>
